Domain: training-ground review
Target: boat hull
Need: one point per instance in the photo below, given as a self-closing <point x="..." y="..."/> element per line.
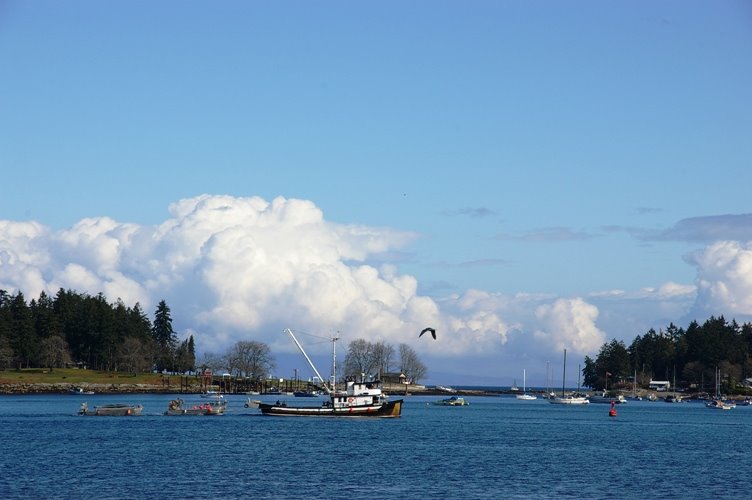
<point x="390" y="409"/>
<point x="568" y="401"/>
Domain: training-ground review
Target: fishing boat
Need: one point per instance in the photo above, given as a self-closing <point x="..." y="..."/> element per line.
<point x="452" y="401"/>
<point x="565" y="399"/>
<point x="178" y="407"/>
<point x="111" y="410"/>
<point x="525" y="396"/>
<point x="360" y="398"/>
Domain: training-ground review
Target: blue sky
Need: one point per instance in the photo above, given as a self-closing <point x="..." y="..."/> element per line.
<point x="531" y="168"/>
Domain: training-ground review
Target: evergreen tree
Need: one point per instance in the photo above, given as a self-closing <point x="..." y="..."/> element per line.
<point x="164" y="337"/>
<point x="23" y="336"/>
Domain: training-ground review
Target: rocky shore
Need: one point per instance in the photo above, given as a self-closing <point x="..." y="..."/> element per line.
<point x="125" y="388"/>
<point x="65" y="388"/>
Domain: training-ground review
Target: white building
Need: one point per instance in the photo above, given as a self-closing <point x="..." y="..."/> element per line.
<point x="659" y="385"/>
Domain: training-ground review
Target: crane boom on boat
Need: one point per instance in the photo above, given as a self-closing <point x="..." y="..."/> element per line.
<point x="310" y="363"/>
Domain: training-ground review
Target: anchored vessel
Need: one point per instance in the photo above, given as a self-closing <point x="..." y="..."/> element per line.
<point x="452" y="401"/>
<point x="359" y="399"/>
<point x="113" y="410"/>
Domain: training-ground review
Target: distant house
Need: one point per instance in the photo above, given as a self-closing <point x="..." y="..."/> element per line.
<point x="659" y="385"/>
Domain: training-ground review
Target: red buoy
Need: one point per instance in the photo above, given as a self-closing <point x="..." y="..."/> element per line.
<point x="612" y="411"/>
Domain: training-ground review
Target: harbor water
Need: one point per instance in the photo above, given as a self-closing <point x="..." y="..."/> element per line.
<point x="497" y="447"/>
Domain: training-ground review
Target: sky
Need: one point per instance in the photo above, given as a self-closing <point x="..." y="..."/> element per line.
<point x="524" y="176"/>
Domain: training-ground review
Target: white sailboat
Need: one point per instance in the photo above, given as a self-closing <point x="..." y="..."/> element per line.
<point x="564" y="399"/>
<point x="525" y="396"/>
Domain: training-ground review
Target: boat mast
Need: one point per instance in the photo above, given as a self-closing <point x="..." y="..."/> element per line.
<point x="306" y="357"/>
<point x="334" y="364"/>
<point x="564" y="375"/>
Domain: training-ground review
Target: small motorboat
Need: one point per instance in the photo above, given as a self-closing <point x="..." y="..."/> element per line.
<point x="111" y="410"/>
<point x="452" y="401"/>
<point x="79" y="390"/>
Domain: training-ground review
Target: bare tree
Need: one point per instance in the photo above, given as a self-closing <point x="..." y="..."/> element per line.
<point x="410" y="365"/>
<point x="382" y="356"/>
<point x="54" y="352"/>
<point x="251" y="359"/>
<point x="359" y="358"/>
<point x="134" y="355"/>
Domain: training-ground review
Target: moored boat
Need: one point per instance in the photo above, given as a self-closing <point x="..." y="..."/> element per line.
<point x="718" y="404"/>
<point x="604" y="398"/>
<point x="452" y="401"/>
<point x="79" y="391"/>
<point x="178" y="407"/>
<point x="569" y="400"/>
<point x="305" y="394"/>
<point x="525" y="396"/>
<point x="111" y="410"/>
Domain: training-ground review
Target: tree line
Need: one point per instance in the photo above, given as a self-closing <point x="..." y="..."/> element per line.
<point x="691" y="355"/>
<point x="253" y="360"/>
<point x="75" y="328"/>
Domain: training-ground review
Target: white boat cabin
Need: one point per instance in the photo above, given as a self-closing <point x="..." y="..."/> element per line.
<point x="359" y="394"/>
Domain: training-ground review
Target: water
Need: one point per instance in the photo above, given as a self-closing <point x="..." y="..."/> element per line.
<point x="498" y="447"/>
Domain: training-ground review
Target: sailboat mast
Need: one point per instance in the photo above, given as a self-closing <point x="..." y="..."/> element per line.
<point x="564" y="375"/>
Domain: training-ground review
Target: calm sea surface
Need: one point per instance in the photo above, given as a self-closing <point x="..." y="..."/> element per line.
<point x="498" y="447"/>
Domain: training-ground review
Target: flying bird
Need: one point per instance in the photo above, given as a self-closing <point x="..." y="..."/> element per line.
<point x="432" y="330"/>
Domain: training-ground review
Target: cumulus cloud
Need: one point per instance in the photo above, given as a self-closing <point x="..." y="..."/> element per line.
<point x="244" y="268"/>
<point x="238" y="268"/>
<point x="724" y="280"/>
<point x="570" y="323"/>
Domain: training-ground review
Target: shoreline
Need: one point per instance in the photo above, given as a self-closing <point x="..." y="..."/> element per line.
<point x="34" y="388"/>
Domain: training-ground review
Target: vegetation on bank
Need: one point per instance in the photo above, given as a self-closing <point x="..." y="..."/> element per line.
<point x="78" y="329"/>
<point x="690" y="355"/>
<point x="80" y="377"/>
<point x="51" y="334"/>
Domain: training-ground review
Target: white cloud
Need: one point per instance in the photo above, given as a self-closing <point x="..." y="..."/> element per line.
<point x="570" y="323"/>
<point x="724" y="280"/>
<point x="243" y="268"/>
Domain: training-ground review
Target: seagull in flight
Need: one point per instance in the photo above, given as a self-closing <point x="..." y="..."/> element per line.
<point x="432" y="330"/>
